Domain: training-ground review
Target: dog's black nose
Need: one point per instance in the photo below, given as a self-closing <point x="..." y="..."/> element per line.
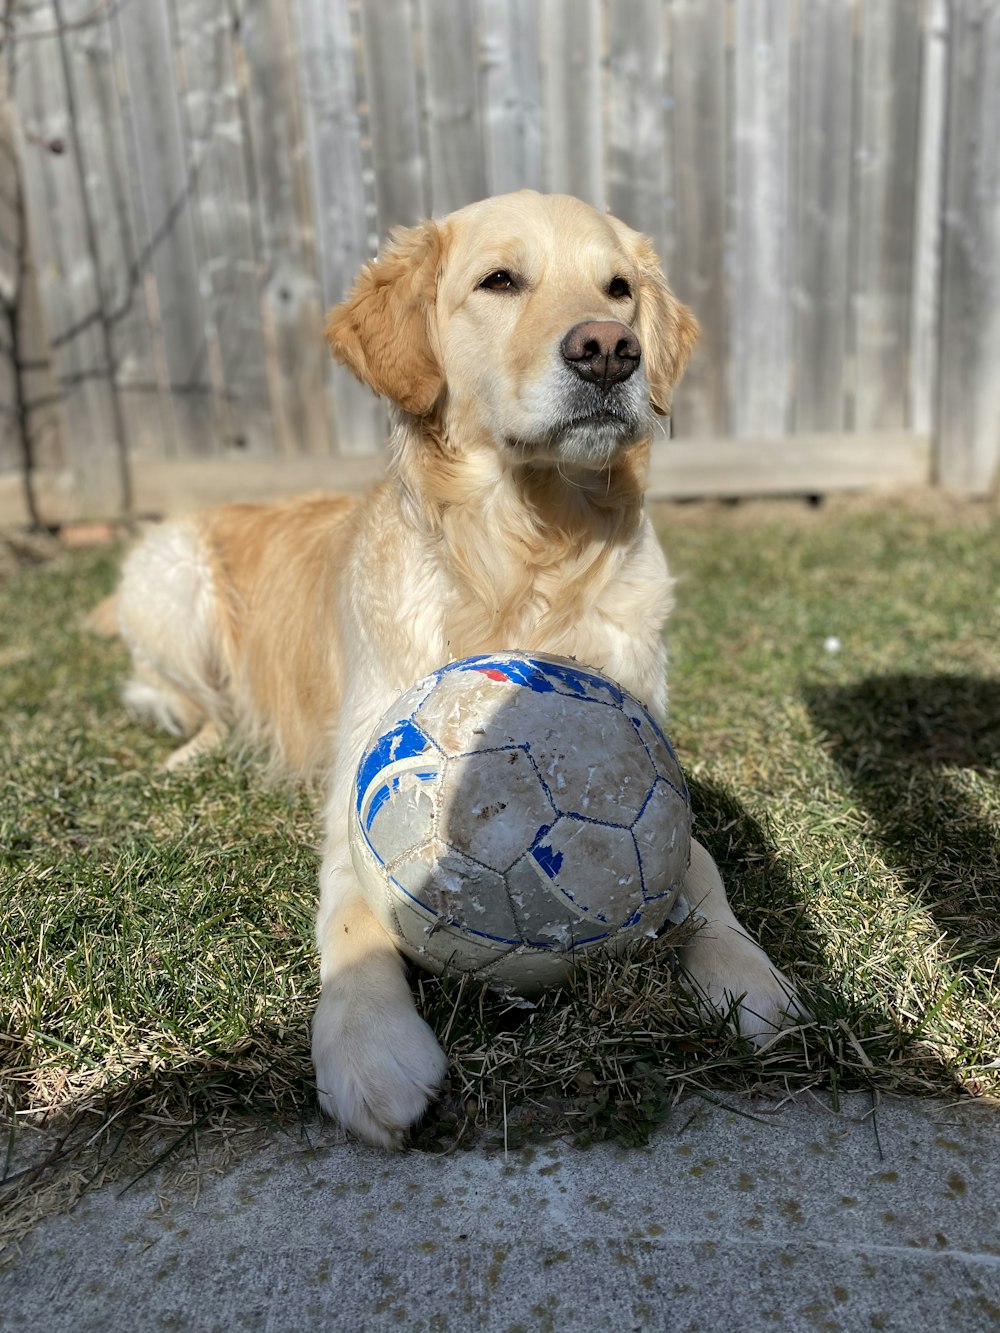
<point x="601" y="351"/>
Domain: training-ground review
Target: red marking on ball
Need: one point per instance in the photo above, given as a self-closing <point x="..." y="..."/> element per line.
<point x="493" y="673"/>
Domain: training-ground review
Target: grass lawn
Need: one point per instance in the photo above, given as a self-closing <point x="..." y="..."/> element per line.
<point x="836" y="704"/>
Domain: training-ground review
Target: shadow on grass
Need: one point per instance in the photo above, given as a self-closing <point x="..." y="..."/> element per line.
<point x="856" y="1042"/>
<point x="915" y="751"/>
<point x="767" y="894"/>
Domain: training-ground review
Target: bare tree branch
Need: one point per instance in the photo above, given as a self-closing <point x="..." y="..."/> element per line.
<point x="11" y="307"/>
<point x="137" y="269"/>
<point x="103" y="11"/>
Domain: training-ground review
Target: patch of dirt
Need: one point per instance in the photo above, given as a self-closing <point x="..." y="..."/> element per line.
<point x="20" y="547"/>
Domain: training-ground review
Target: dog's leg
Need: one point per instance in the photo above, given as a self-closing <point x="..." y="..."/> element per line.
<point x="209" y="737"/>
<point x="377" y="1062"/>
<point x="168" y="616"/>
<point x="726" y="965"/>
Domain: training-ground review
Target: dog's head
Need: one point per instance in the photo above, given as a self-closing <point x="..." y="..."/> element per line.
<point x="530" y="321"/>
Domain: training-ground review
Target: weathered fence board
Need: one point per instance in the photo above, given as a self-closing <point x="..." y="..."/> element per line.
<point x="573" y="98"/>
<point x="636" y="123"/>
<point x="970" y="331"/>
<point x="454" y="134"/>
<point x="292" y="302"/>
<point x="511" y="95"/>
<point x="165" y="185"/>
<point x="222" y="215"/>
<point x="343" y="208"/>
<point x="819" y="293"/>
<point x="341" y="203"/>
<point x="93" y="67"/>
<point x="763" y="250"/>
<point x="203" y="179"/>
<point x="387" y="27"/>
<point x="925" y="320"/>
<point x="697" y="266"/>
<point x="791" y="465"/>
<point x="885" y="185"/>
<point x="62" y="234"/>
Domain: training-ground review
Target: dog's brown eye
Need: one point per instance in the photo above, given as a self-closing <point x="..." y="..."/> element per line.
<point x="619" y="289"/>
<point x="499" y="281"/>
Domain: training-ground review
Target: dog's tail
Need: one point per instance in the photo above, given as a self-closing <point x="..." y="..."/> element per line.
<point x="103" y="619"/>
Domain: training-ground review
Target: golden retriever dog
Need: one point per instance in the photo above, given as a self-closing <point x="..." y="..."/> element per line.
<point x="524" y="343"/>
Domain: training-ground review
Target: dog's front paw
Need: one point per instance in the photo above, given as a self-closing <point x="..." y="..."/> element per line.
<point x="726" y="967"/>
<point x="377" y="1067"/>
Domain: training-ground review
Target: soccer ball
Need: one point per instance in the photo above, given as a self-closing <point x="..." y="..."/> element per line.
<point x="512" y="812"/>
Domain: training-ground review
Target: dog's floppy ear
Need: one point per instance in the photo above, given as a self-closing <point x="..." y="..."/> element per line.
<point x="667" y="329"/>
<point x="382" y="331"/>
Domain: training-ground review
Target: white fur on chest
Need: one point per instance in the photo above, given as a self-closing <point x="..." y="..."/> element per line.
<point x="615" y="621"/>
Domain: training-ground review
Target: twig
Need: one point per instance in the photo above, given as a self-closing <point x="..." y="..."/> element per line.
<point x="60" y="1150"/>
<point x="11" y="307"/>
<point x="99" y="14"/>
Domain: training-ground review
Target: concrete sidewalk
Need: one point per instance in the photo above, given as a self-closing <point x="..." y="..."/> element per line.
<point x="808" y="1221"/>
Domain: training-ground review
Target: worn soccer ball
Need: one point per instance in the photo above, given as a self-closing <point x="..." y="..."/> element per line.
<point x="512" y="812"/>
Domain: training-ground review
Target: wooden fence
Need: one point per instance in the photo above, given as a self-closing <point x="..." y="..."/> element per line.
<point x="188" y="184"/>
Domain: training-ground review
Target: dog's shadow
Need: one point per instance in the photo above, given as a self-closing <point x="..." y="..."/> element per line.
<point x="914" y="751"/>
<point x="764" y="889"/>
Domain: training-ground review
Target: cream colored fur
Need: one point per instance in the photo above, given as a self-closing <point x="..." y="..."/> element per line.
<point x="512" y="517"/>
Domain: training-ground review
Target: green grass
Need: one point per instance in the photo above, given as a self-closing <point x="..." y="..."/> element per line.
<point x="155" y="930"/>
